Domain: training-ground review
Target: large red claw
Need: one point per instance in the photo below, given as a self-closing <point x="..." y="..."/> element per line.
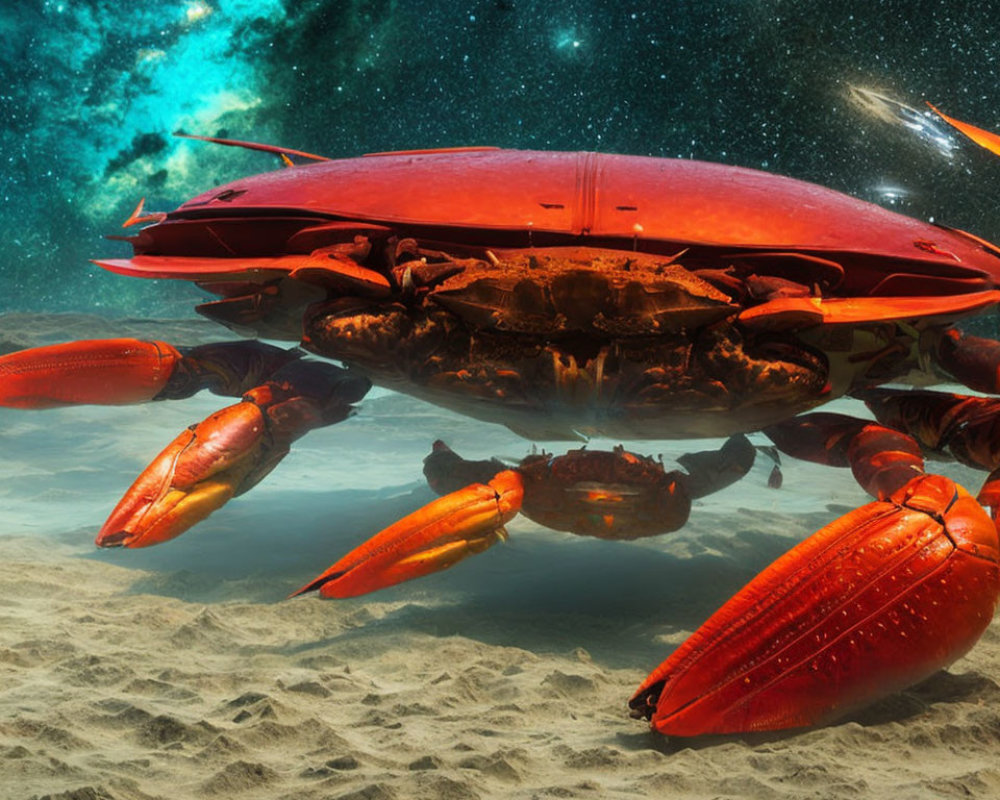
<point x="877" y="600"/>
<point x="430" y="539"/>
<point x="103" y="371"/>
<point x="196" y="474"/>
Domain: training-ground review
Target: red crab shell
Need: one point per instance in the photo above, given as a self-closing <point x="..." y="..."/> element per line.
<point x="490" y="197"/>
<point x="335" y="228"/>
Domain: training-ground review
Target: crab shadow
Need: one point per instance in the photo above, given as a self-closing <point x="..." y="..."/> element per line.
<point x="543" y="591"/>
<point x="910" y="704"/>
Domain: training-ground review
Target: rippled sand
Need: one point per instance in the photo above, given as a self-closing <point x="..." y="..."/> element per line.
<point x="181" y="672"/>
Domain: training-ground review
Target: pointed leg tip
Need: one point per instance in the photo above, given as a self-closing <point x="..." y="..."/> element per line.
<point x="302" y="590"/>
<point x="320" y="584"/>
<point x="119" y="538"/>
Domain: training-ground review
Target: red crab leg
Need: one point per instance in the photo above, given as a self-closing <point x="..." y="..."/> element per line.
<point x="881" y="458"/>
<point x="106" y="371"/>
<point x="229" y="452"/>
<point x="964" y="426"/>
<point x="609" y="494"/>
<point x="123" y="371"/>
<point x="973" y="360"/>
<point x="195" y="475"/>
<point x="873" y="602"/>
<point x="433" y="538"/>
<point x="226" y="454"/>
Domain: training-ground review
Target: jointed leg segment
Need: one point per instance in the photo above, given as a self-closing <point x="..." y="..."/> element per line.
<point x="283" y="397"/>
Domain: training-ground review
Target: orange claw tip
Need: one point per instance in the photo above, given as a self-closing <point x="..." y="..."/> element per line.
<point x="140" y="522"/>
<point x="112" y="539"/>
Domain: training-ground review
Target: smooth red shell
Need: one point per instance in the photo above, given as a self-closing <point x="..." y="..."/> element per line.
<point x="596" y="195"/>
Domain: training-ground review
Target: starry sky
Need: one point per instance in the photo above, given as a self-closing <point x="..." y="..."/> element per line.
<point x="91" y="90"/>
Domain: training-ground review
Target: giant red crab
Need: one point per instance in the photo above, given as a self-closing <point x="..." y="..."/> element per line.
<point x="564" y="294"/>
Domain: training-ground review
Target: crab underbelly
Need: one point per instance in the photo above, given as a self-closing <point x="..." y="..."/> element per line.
<point x="556" y="419"/>
<point x="705" y="382"/>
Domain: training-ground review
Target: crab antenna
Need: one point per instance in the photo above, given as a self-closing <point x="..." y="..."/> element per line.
<point x="137" y="217"/>
<point x="282" y="152"/>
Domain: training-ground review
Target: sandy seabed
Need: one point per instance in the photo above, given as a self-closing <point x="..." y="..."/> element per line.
<point x="181" y="672"/>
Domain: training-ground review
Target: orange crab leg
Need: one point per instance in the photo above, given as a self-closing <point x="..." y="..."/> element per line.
<point x="229" y="452"/>
<point x="194" y="475"/>
<point x="881" y="458"/>
<point x="284" y="396"/>
<point x="106" y="371"/>
<point x="873" y="602"/>
<point x="972" y="360"/>
<point x="964" y="426"/>
<point x="430" y="539"/>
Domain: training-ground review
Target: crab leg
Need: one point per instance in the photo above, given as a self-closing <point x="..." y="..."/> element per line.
<point x="124" y="371"/>
<point x="875" y="601"/>
<point x="229" y="452"/>
<point x="963" y="426"/>
<point x="882" y="459"/>
<point x="433" y="538"/>
<point x="283" y="397"/>
<point x="611" y="494"/>
<point x="105" y="371"/>
<point x="195" y="475"/>
<point x="973" y="360"/>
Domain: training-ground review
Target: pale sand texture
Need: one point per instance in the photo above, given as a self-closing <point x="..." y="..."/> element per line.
<point x="179" y="672"/>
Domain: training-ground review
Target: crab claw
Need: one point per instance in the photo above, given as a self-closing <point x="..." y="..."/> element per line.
<point x="430" y="539"/>
<point x="103" y="371"/>
<point x="877" y="600"/>
<point x="197" y="473"/>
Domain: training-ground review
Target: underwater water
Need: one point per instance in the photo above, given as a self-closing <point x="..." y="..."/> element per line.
<point x="181" y="671"/>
